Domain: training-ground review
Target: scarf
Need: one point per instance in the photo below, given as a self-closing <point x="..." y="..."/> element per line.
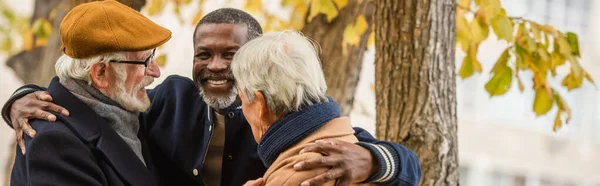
<point x="124" y="122"/>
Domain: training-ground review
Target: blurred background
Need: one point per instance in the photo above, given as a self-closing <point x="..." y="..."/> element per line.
<point x="501" y="141"/>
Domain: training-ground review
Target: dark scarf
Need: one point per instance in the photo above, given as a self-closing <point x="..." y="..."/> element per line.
<point x="124" y="122"/>
<point x="293" y="127"/>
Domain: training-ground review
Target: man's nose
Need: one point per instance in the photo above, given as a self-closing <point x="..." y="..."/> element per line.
<point x="152" y="69"/>
<point x="217" y="65"/>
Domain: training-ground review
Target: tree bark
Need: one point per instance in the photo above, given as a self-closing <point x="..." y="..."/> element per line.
<point x="415" y="83"/>
<point x="342" y="71"/>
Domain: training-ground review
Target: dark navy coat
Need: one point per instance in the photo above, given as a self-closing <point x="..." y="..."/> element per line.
<point x="81" y="149"/>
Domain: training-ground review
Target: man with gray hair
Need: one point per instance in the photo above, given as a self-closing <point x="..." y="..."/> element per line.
<point x="107" y="63"/>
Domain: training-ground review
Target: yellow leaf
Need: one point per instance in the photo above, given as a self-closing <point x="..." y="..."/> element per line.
<point x="470" y="63"/>
<point x="350" y="36"/>
<point x="361" y="25"/>
<point x="6" y="44"/>
<point x="536" y="31"/>
<point x="371" y="41"/>
<point x="487" y="13"/>
<point x="503" y="28"/>
<point x="463" y="34"/>
<point x="298" y="17"/>
<point x="557" y="121"/>
<point x="562" y="105"/>
<point x="500" y="82"/>
<point x="463" y="6"/>
<point x="161" y="60"/>
<point x="197" y="17"/>
<point x="341" y="3"/>
<point x="322" y="6"/>
<point x="473" y="55"/>
<point x="156" y="7"/>
<point x="557" y="59"/>
<point x="589" y="78"/>
<point x="466" y="68"/>
<point x="253" y="6"/>
<point x="563" y="45"/>
<point x="478" y="31"/>
<point x="542" y="102"/>
<point x="39" y="42"/>
<point x="27" y="38"/>
<point x="502" y="62"/>
<point x="521" y="86"/>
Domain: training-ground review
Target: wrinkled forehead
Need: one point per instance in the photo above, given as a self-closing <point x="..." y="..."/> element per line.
<point x="220" y="35"/>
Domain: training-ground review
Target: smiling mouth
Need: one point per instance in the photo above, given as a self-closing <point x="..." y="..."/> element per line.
<point x="217" y="82"/>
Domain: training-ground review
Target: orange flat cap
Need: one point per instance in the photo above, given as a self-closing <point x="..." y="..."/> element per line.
<point x="99" y="27"/>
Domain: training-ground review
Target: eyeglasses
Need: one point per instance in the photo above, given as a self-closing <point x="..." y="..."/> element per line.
<point x="145" y="62"/>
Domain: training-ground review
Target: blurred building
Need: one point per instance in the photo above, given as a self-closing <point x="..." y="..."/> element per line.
<point x="502" y="142"/>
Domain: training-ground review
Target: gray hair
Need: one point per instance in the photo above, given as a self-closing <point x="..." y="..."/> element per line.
<point x="285" y="67"/>
<point x="79" y="69"/>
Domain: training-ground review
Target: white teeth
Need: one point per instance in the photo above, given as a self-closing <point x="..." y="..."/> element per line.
<point x="219" y="82"/>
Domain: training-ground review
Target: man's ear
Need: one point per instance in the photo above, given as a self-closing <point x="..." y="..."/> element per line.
<point x="261" y="105"/>
<point x="98" y="75"/>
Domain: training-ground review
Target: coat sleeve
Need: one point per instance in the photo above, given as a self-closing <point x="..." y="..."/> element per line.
<point x="58" y="157"/>
<point x="19" y="93"/>
<point x="398" y="165"/>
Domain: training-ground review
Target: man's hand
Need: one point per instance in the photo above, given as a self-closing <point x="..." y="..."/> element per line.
<point x="349" y="163"/>
<point x="256" y="182"/>
<point x="35" y="105"/>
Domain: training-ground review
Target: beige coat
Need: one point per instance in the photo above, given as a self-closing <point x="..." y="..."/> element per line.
<point x="282" y="172"/>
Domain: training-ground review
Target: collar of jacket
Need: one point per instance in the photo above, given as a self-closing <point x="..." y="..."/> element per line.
<point x="235" y="106"/>
<point x="293" y="127"/>
<point x="97" y="134"/>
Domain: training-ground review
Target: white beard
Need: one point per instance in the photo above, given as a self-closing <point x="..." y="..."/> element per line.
<point x="219" y="102"/>
<point x="129" y="101"/>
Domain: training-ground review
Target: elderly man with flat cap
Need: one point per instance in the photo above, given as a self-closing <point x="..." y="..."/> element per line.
<point x="107" y="63"/>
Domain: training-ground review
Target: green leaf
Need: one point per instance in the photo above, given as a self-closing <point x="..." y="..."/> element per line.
<point x="6" y="44"/>
<point x="322" y="6"/>
<point x="42" y="28"/>
<point x="502" y="62"/>
<point x="503" y="28"/>
<point x="573" y="42"/>
<point x="500" y="82"/>
<point x="542" y="102"/>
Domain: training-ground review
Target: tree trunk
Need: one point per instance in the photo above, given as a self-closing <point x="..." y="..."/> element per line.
<point x="415" y="83"/>
<point x="341" y="71"/>
<point x="37" y="65"/>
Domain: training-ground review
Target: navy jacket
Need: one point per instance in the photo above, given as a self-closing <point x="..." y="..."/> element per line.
<point x="179" y="125"/>
<point x="80" y="149"/>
